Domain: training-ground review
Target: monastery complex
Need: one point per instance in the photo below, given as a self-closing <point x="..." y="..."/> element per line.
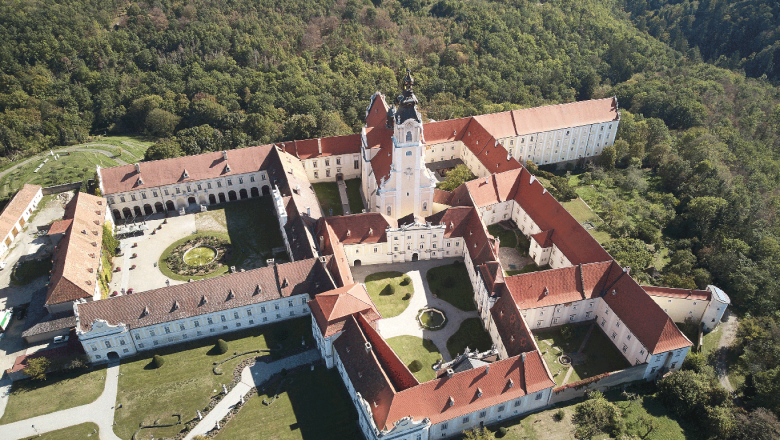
<point x="406" y="219"/>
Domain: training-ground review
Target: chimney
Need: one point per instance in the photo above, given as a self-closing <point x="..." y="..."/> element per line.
<point x="450" y="372"/>
<point x="627" y="270"/>
<point x="479" y="392"/>
<point x="137" y="167"/>
<point x="176" y="305"/>
<point x="487" y="369"/>
<point x="511" y="383"/>
<point x="224" y="154"/>
<point x="368" y="347"/>
<point x="522" y="357"/>
<point x="450" y="401"/>
<point x="370" y="231"/>
<point x="319" y="145"/>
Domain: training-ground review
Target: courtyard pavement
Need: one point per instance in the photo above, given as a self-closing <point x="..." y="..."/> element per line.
<point x="99" y="412"/>
<point x="406" y="323"/>
<point x="252" y="376"/>
<point x="146" y="275"/>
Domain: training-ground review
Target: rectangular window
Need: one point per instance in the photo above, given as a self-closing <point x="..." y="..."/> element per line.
<point x="132" y="197"/>
<point x="482" y="414"/>
<point x="137" y="337"/>
<point x="167" y="329"/>
<point x="289" y="303"/>
<point x="614" y="335"/>
<point x="189" y="188"/>
<point x="251" y="178"/>
<point x="466" y="419"/>
<point x="539" y="396"/>
<point x="262" y="309"/>
<point x="200" y="187"/>
<point x="219" y="184"/>
<point x="166" y="192"/>
<point x="625" y="348"/>
<point x="197" y="323"/>
<point x="122" y="199"/>
<point x="276" y="306"/>
<point x="230" y="182"/>
<point x="208" y="185"/>
<point x="327" y="172"/>
<point x="210" y="321"/>
<point x="108" y="344"/>
<point x="249" y="312"/>
<point x="222" y="318"/>
<point x="240" y="180"/>
<point x="265" y="319"/>
<point x="357" y="164"/>
<point x="316" y="175"/>
<point x="151" y="332"/>
<point x="181" y="327"/>
<point x="143" y="195"/>
<point x="501" y="408"/>
<point x="517" y="403"/>
<point x="327" y="162"/>
<point x="235" y="315"/>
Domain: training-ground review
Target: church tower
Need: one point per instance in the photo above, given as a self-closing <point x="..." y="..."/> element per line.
<point x="409" y="188"/>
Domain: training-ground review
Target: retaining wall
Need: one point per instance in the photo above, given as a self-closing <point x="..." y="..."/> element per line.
<point x="61" y="188"/>
<point x="600" y="383"/>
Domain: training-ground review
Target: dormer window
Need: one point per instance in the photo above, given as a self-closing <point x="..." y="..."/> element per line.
<point x="185" y="175"/>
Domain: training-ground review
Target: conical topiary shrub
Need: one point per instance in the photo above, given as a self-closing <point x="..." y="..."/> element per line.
<point x="222" y="346"/>
<point x="158" y="361"/>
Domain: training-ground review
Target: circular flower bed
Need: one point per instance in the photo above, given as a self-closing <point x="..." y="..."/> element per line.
<point x="564" y="359"/>
<point x="199" y="256"/>
<point x="432" y="319"/>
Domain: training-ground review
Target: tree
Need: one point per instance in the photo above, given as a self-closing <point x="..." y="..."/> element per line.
<point x="36" y="367"/>
<point x="608" y="157"/>
<point x="163" y="149"/>
<point x="630" y="252"/>
<point x="478" y="434"/>
<point x="597" y="416"/>
<point x="110" y="243"/>
<point x="161" y="123"/>
<point x="759" y="424"/>
<point x="456" y="177"/>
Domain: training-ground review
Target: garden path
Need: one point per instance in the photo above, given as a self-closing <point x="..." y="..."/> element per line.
<point x="100" y="412"/>
<point x="406" y="323"/>
<point x="252" y="376"/>
<point x="343" y="195"/>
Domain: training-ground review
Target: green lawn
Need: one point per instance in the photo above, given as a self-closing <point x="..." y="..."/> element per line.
<point x="186" y="382"/>
<point x="528" y="268"/>
<point x="30" y="398"/>
<point x="78" y="166"/>
<point x="249" y="225"/>
<point x="328" y="196"/>
<point x="411" y="348"/>
<point x="311" y="405"/>
<point x="451" y="283"/>
<point x="582" y="213"/>
<point x="711" y="341"/>
<point x="83" y="431"/>
<point x="545" y="426"/>
<point x="546" y="339"/>
<point x="506" y="237"/>
<point x="28" y="271"/>
<point x="387" y="292"/>
<point x="471" y="334"/>
<point x="603" y="357"/>
<point x="353" y="195"/>
<point x="199" y="256"/>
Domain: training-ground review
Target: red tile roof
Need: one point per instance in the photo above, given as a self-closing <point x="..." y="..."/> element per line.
<point x="456" y="219"/>
<point x="560" y="286"/>
<point x="445" y="131"/>
<point x="431" y="399"/>
<point x="60" y="226"/>
<point x="544" y="239"/>
<point x="369" y="227"/>
<point x="376" y="113"/>
<point x="573" y="114"/>
<point x="441" y="196"/>
<point x="511" y="327"/>
<point x="671" y="292"/>
<point x="331" y="309"/>
<point x="322" y="147"/>
<point x="170" y="171"/>
<point x="77" y="256"/>
<point x="330" y="245"/>
<point x="16" y="207"/>
<point x="229" y="291"/>
<point x="380" y="137"/>
<point x="651" y="325"/>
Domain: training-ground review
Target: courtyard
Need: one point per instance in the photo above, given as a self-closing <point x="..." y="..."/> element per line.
<point x="456" y="303"/>
<point x="586" y="344"/>
<point x="332" y="202"/>
<point x="513" y="249"/>
<point x="249" y="227"/>
<point x="186" y="382"/>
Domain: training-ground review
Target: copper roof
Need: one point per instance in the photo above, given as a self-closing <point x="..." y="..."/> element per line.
<point x="211" y="165"/>
<point x="77" y="256"/>
<point x="221" y="293"/>
<point x="15" y="208"/>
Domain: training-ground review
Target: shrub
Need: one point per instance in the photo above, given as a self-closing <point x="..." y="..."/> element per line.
<point x="36" y="368"/>
<point x="501" y="432"/>
<point x="388" y="290"/>
<point x="449" y="282"/>
<point x="221" y="346"/>
<point x="566" y="332"/>
<point x="158" y="361"/>
<point x="559" y="415"/>
<point x="415" y="366"/>
<point x="284" y="372"/>
<point x="406" y="281"/>
<point x="407" y="296"/>
<point x="457" y="263"/>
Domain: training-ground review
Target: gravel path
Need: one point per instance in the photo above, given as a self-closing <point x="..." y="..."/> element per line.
<point x="252" y="376"/>
<point x="73" y="148"/>
<point x="100" y="412"/>
<point x="728" y="334"/>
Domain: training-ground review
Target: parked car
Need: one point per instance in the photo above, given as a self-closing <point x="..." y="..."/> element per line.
<point x="60" y="339"/>
<point x="2" y="265"/>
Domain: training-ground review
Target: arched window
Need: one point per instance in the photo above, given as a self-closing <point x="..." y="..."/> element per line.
<point x="425" y="206"/>
<point x="408" y="136"/>
<point x="389" y="210"/>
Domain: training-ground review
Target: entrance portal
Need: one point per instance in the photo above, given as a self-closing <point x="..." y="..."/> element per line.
<point x="415" y="257"/>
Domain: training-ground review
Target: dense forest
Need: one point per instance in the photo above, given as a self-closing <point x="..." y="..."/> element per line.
<point x="695" y="171"/>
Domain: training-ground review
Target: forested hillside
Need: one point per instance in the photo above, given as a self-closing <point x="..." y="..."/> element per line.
<point x="689" y="194"/>
<point x="741" y="34"/>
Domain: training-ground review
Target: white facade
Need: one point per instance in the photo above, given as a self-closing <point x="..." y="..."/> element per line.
<point x="326" y="168"/>
<point x="20" y="222"/>
<point x="104" y="338"/>
<point x="564" y="145"/>
<point x="173" y="197"/>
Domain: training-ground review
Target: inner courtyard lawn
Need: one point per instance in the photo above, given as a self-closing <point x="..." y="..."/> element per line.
<point x="311" y="405"/>
<point x="30" y="398"/>
<point x="83" y="431"/>
<point x="451" y="283"/>
<point x="328" y="196"/>
<point x="186" y="382"/>
<point x="412" y="348"/>
<point x="388" y="293"/>
<point x="470" y="334"/>
<point x="353" y="195"/>
<point x="546" y="339"/>
<point x="506" y="237"/>
<point x="602" y="357"/>
<point x="249" y="225"/>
